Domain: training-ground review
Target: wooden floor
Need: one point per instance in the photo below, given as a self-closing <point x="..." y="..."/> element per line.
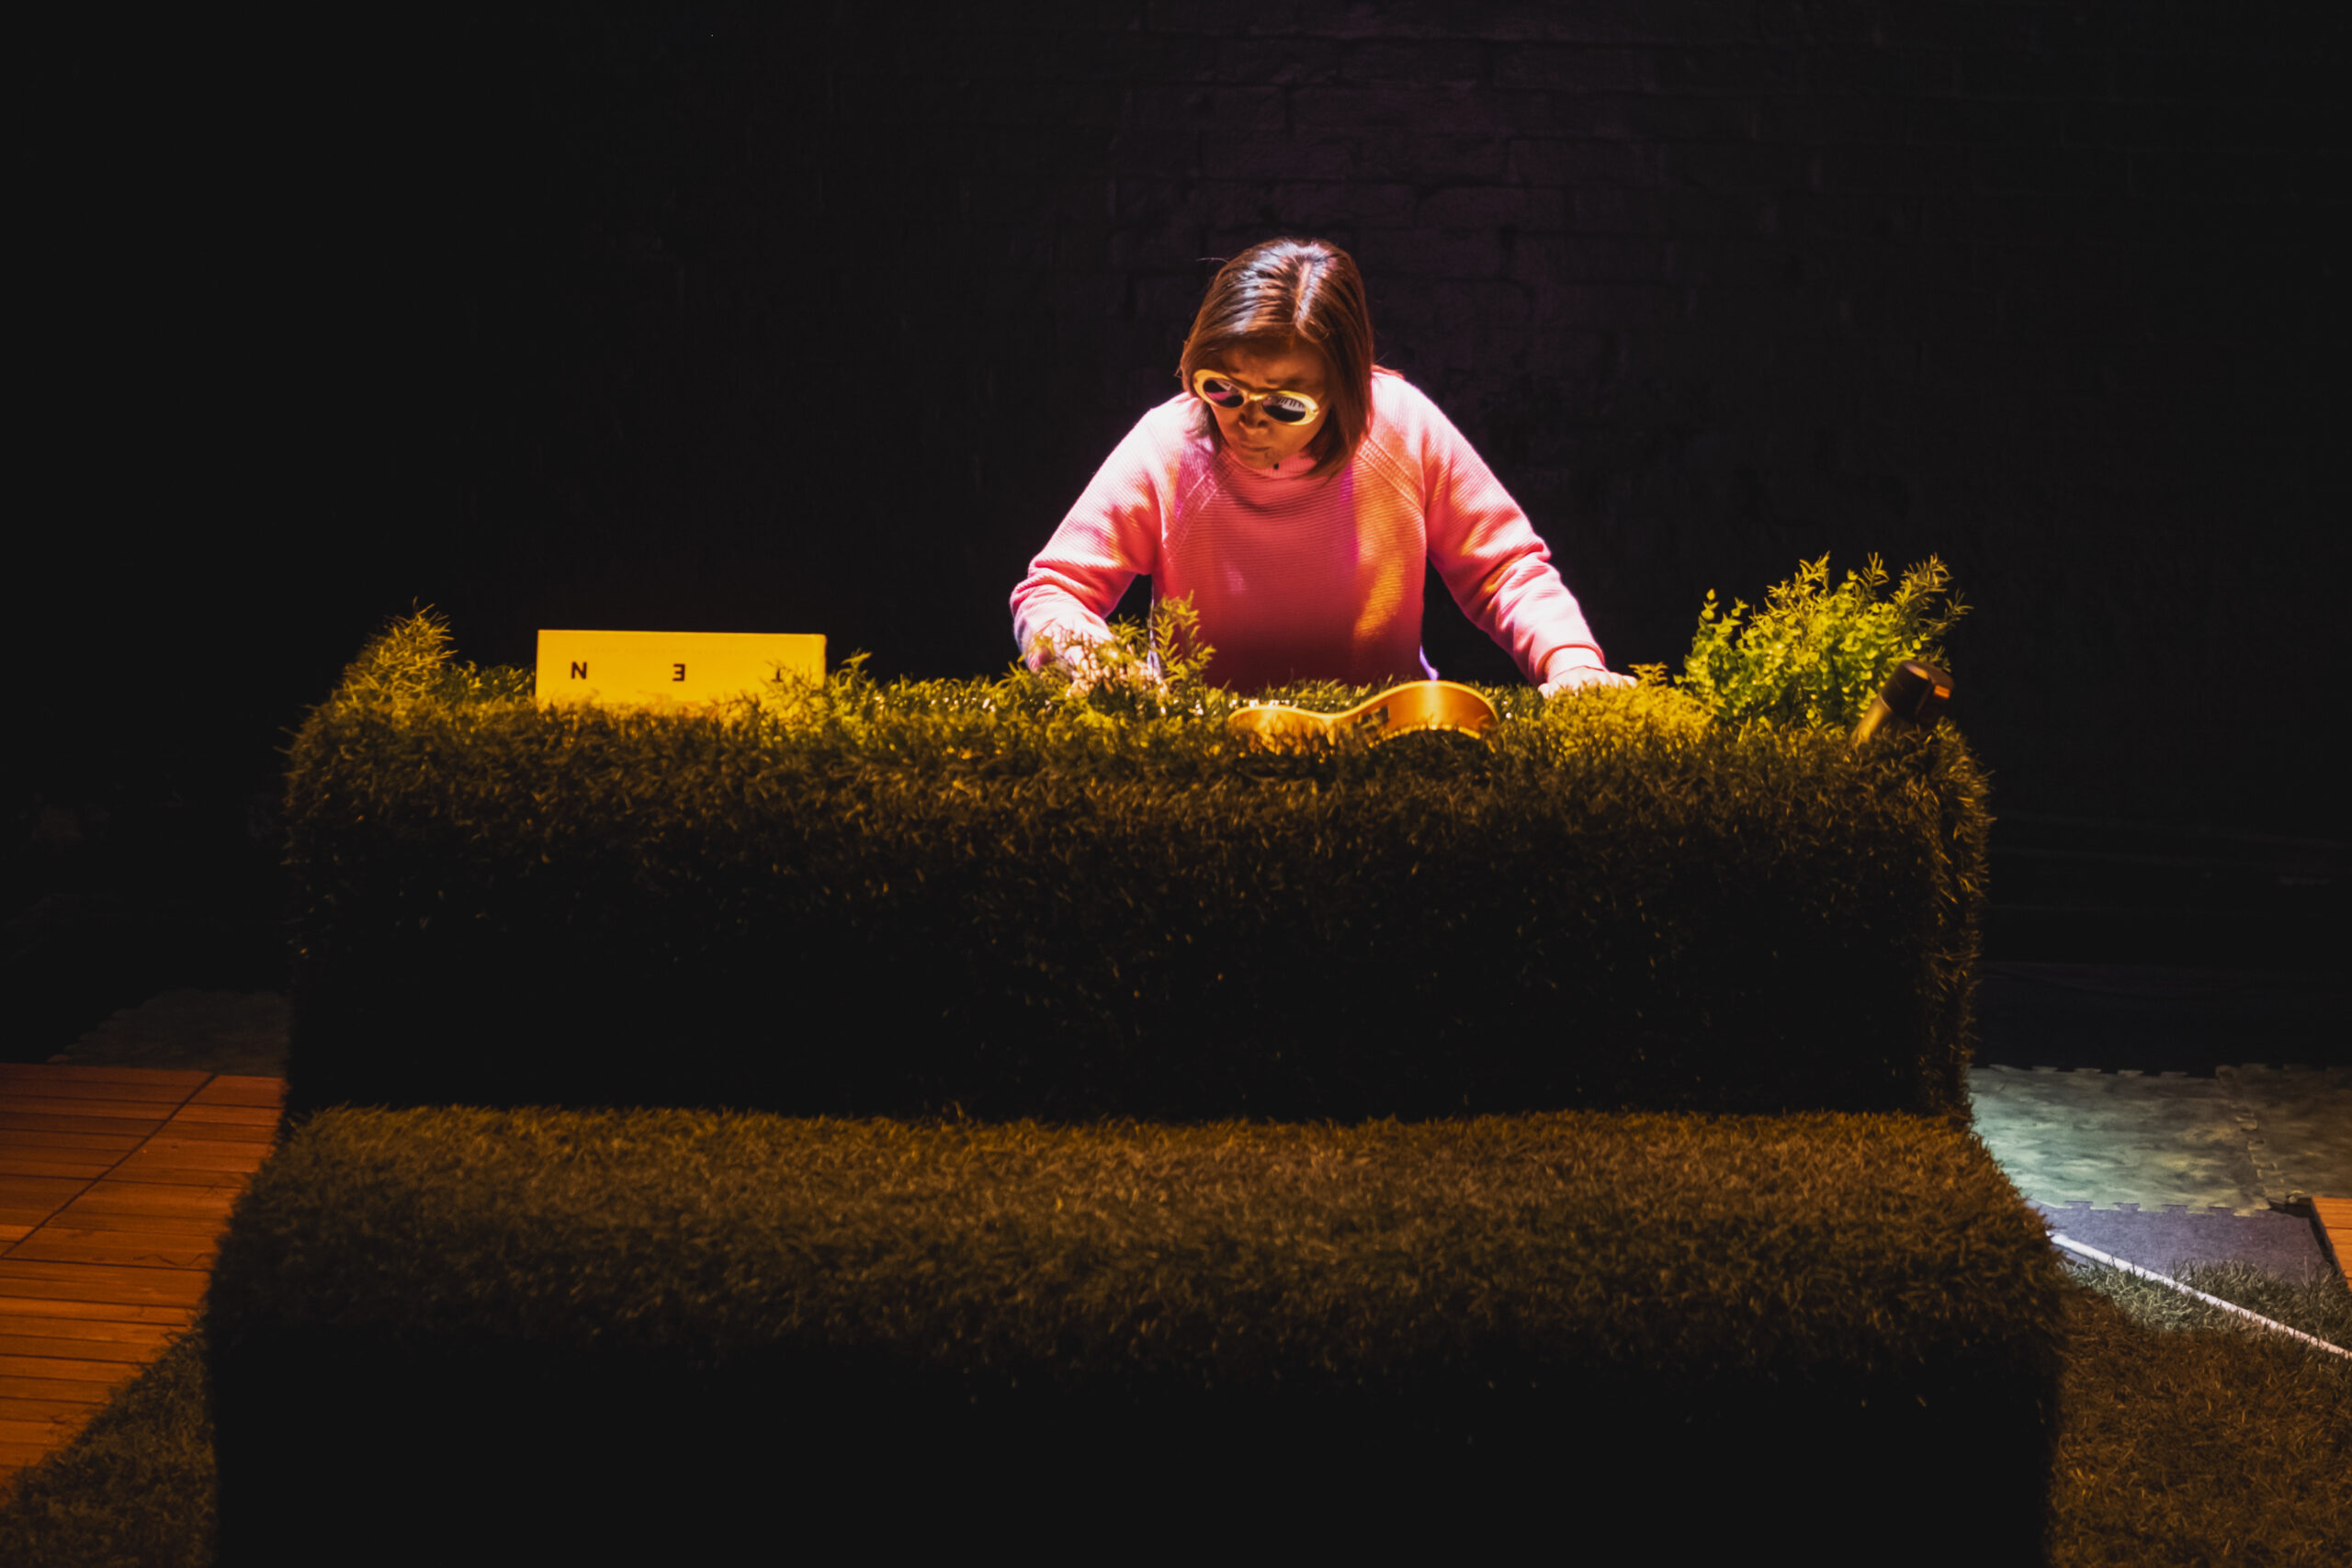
<point x="2335" y="1223"/>
<point x="115" y="1184"/>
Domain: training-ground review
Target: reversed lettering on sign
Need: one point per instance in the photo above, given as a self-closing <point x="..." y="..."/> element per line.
<point x="665" y="668"/>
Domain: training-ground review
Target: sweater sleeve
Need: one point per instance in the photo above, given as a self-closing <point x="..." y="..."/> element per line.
<point x="1110" y="536"/>
<point x="1494" y="563"/>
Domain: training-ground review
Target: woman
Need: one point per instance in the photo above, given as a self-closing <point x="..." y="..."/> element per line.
<point x="1293" y="490"/>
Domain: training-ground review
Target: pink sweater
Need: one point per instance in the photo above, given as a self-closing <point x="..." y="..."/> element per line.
<point x="1298" y="578"/>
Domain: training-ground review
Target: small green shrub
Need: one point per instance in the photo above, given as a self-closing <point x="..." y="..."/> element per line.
<point x="1815" y="655"/>
<point x="414" y="658"/>
<point x="1142" y="666"/>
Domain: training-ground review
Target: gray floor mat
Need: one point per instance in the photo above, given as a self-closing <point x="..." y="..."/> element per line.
<point x="2170" y="1239"/>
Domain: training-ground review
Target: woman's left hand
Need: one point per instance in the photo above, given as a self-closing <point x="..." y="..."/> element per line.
<point x="1562" y="681"/>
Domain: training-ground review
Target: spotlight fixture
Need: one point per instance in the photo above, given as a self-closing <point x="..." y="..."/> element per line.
<point x="1915" y="694"/>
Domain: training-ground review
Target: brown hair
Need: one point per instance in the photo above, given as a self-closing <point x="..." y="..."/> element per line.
<point x="1286" y="293"/>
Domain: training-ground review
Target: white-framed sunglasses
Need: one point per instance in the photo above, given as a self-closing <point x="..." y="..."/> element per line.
<point x="1219" y="390"/>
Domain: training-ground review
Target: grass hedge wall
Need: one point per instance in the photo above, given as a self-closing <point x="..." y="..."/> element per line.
<point x="987" y="895"/>
<point x="426" y="1323"/>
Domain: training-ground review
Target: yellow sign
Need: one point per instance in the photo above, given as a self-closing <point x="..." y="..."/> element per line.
<point x="669" y="667"/>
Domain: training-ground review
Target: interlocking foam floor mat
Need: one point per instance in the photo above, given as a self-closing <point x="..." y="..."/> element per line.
<point x="2110" y="1138"/>
<point x="2241" y="1140"/>
<point x="2166" y="1170"/>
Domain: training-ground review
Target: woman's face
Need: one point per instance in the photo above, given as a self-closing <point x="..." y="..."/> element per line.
<point x="1258" y="441"/>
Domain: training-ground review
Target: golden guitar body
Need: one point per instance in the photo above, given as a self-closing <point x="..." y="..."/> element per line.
<point x="1400" y="710"/>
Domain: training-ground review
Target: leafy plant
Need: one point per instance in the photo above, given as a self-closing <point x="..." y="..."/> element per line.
<point x="1814" y="655"/>
<point x="413" y="658"/>
<point x="1146" y="666"/>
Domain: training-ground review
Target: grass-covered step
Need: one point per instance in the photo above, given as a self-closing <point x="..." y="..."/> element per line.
<point x="997" y="896"/>
<point x="1801" y="1328"/>
<point x="2237" y="1430"/>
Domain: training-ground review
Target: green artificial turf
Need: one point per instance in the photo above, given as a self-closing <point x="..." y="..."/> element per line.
<point x="989" y="895"/>
<point x="1218" y="1254"/>
<point x="2184" y="1439"/>
<point x="2187" y="1437"/>
<point x="135" y="1489"/>
<point x="1511" y="1305"/>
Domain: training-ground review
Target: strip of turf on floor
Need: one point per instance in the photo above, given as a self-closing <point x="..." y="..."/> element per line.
<point x="2184" y="1439"/>
<point x="135" y="1489"/>
<point x="2187" y="1439"/>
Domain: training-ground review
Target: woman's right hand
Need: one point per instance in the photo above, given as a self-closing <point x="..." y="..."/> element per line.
<point x="1077" y="661"/>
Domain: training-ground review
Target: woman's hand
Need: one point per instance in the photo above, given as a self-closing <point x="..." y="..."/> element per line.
<point x="1571" y="669"/>
<point x="1080" y="662"/>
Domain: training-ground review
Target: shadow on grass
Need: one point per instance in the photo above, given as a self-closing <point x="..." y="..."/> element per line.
<point x="135" y="1489"/>
<point x="2188" y="1438"/>
<point x="2184" y="1439"/>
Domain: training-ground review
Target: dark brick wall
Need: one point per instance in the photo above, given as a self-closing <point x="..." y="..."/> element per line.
<point x="724" y="321"/>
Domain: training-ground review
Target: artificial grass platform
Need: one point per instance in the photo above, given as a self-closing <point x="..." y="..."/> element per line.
<point x="642" y="1317"/>
<point x="1016" y="899"/>
<point x="861" y="899"/>
<point x="2185" y="1437"/>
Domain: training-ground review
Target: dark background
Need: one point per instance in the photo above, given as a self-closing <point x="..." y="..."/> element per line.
<point x="730" y="319"/>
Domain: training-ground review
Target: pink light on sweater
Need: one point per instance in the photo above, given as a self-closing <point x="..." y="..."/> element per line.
<point x="1296" y="577"/>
